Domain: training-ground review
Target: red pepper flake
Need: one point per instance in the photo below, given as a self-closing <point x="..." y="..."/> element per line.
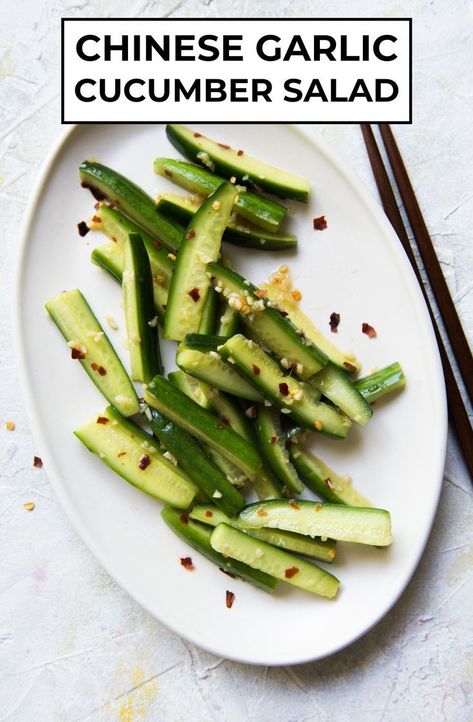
<point x="165" y="306"/>
<point x="294" y="504"/>
<point x="240" y="152"/>
<point x="190" y="234"/>
<point x="77" y="353"/>
<point x="97" y="219"/>
<point x="273" y="439"/>
<point x="100" y="369"/>
<point x="225" y="421"/>
<point x="329" y="483"/>
<point x="83" y="229"/>
<point x="229" y="599"/>
<point x="320" y="224"/>
<point x="291" y="572"/>
<point x="229" y="574"/>
<point x="186" y="562"/>
<point x="283" y="388"/>
<point x="256" y="369"/>
<point x="262" y="512"/>
<point x="334" y="321"/>
<point x="37" y="462"/>
<point x="145" y="461"/>
<point x="168" y="173"/>
<point x="197" y="135"/>
<point x="349" y="366"/>
<point x="283" y="313"/>
<point x="223" y="145"/>
<point x="157" y="245"/>
<point x="184" y="518"/>
<point x="97" y="206"/>
<point x="261" y="293"/>
<point x="368" y="330"/>
<point x="102" y="420"/>
<point x="286" y="492"/>
<point x="194" y="294"/>
<point x="209" y="513"/>
<point x="121" y="453"/>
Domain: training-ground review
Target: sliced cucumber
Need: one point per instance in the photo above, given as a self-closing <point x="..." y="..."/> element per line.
<point x="76" y="321"/>
<point x="203" y="341"/>
<point x="334" y="383"/>
<point x="141" y="321"/>
<point x="261" y="211"/>
<point x="190" y="282"/>
<point x="182" y="209"/>
<point x="267" y="324"/>
<point x="208" y="320"/>
<point x="211" y="369"/>
<point x="282" y="300"/>
<point x="198" y="537"/>
<point x="195" y="463"/>
<point x="335" y="521"/>
<point x="323" y="480"/>
<point x="228" y="322"/>
<point x="285" y="392"/>
<point x="260" y="555"/>
<point x="109" y="257"/>
<point x="229" y="162"/>
<point x="117" y="227"/>
<point x="132" y="201"/>
<point x="136" y="457"/>
<point x="315" y="548"/>
<point x="201" y="423"/>
<point x="192" y="387"/>
<point x="272" y="443"/>
<point x="373" y="387"/>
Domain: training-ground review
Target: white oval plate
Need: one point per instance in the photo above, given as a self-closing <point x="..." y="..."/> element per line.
<point x="356" y="267"/>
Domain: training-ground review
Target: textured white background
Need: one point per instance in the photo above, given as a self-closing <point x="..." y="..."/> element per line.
<point x="73" y="646"/>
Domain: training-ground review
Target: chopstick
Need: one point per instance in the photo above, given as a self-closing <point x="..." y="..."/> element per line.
<point x="432" y="267"/>
<point x="456" y="408"/>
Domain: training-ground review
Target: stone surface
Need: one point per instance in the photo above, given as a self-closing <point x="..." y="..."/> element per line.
<point x="74" y="646"/>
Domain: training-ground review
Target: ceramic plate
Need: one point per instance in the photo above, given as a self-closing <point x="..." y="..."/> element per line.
<point x="355" y="267"/>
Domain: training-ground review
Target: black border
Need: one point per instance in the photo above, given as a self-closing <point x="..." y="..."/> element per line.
<point x="228" y="122"/>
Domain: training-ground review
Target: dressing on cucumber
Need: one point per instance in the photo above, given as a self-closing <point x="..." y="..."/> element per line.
<point x="335" y="385"/>
<point x="272" y="443"/>
<point x="136" y="457"/>
<point x="90" y="346"/>
<point x="234" y="163"/>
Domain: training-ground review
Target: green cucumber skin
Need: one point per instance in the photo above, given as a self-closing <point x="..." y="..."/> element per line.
<point x="138" y="301"/>
<point x="259" y="210"/>
<point x="323" y="551"/>
<point x="202" y="237"/>
<point x="115" y="385"/>
<point x="246" y="354"/>
<point x="335" y="385"/>
<point x="134" y="203"/>
<point x="208" y="321"/>
<point x="117" y="227"/>
<point x="361" y="525"/>
<point x="258" y="554"/>
<point x="273" y="447"/>
<point x="201" y="423"/>
<point x="109" y="257"/>
<point x="195" y="463"/>
<point x="272" y="329"/>
<point x="176" y="489"/>
<point x="198" y="537"/>
<point x="190" y="145"/>
<point x="197" y="390"/>
<point x="203" y="341"/>
<point x="382" y="382"/>
<point x="229" y="322"/>
<point x="182" y="209"/>
<point x="216" y="372"/>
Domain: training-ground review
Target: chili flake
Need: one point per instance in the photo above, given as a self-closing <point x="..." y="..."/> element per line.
<point x="334" y="321"/>
<point x="240" y="152"/>
<point x="368" y="330"/>
<point x="121" y="453"/>
<point x="145" y="461"/>
<point x="190" y="234"/>
<point x="186" y="562"/>
<point x="294" y="504"/>
<point x="273" y="439"/>
<point x="223" y="145"/>
<point x="349" y="366"/>
<point x="37" y="462"/>
<point x="291" y="572"/>
<point x="102" y="420"/>
<point x="184" y="518"/>
<point x="283" y="388"/>
<point x="157" y="245"/>
<point x="168" y="173"/>
<point x="83" y="228"/>
<point x="77" y="353"/>
<point x="194" y="294"/>
<point x="229" y="599"/>
<point x="261" y="292"/>
<point x="100" y="369"/>
<point x="197" y="135"/>
<point x="262" y="512"/>
<point x="209" y="513"/>
<point x="320" y="224"/>
<point x="256" y="369"/>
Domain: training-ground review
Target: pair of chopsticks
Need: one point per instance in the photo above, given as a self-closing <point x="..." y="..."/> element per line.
<point x="456" y="408"/>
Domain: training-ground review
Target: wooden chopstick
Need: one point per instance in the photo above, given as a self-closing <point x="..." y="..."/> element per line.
<point x="431" y="263"/>
<point x="456" y="408"/>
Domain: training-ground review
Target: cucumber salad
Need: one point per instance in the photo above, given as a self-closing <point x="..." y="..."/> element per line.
<point x="256" y="378"/>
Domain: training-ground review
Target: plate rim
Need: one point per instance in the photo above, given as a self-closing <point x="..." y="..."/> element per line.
<point x="54" y="477"/>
